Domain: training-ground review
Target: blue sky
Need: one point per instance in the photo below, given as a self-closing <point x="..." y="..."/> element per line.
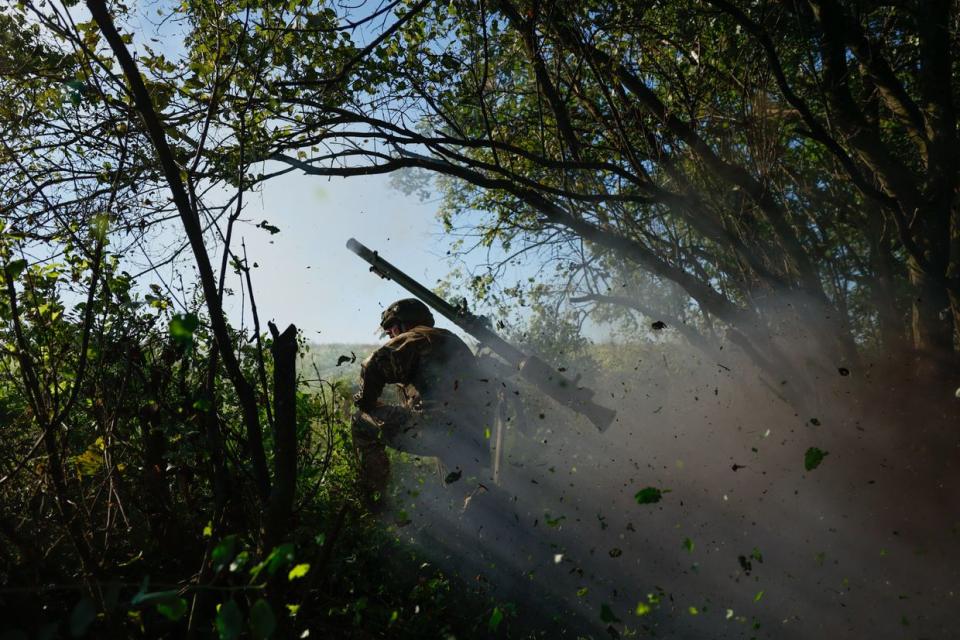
<point x="308" y="277"/>
<point x="305" y="274"/>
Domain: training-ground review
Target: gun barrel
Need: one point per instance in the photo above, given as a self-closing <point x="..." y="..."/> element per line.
<point x="530" y="367"/>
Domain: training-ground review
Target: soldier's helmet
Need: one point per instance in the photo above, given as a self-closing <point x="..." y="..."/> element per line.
<point x="409" y="311"/>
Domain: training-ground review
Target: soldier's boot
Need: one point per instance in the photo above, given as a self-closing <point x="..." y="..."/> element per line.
<point x="372" y="462"/>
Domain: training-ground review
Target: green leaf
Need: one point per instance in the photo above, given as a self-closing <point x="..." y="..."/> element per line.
<point x="553" y="522"/>
<point x="239" y="561"/>
<point x="643" y="609"/>
<point x="496" y="617"/>
<point x="182" y="326"/>
<point x="813" y="458"/>
<point x="15" y="268"/>
<point x="649" y="495"/>
<point x="157" y="596"/>
<point x="224" y="551"/>
<point x="101" y="222"/>
<point x="262" y="622"/>
<point x="280" y="556"/>
<point x="298" y="571"/>
<point x="82" y="616"/>
<point x="688" y="545"/>
<point x="606" y="614"/>
<point x="229" y="620"/>
<point x="757" y="597"/>
<point x="269" y="227"/>
<point x="172" y="609"/>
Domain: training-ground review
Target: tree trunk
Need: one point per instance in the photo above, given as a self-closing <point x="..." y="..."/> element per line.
<point x="890" y="318"/>
<point x="932" y="322"/>
<point x="284" y="350"/>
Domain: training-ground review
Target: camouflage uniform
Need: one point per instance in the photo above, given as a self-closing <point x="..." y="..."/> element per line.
<point x="441" y="411"/>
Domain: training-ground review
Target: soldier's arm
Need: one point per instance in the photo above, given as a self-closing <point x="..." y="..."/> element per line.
<point x="392" y="363"/>
<point x="371" y="385"/>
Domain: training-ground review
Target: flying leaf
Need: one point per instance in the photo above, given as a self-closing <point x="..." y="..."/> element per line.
<point x="553" y="522"/>
<point x="813" y="458"/>
<point x="269" y="227"/>
<point x="649" y="495"/>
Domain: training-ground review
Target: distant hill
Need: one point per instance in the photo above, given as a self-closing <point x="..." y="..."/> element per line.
<point x="322" y="359"/>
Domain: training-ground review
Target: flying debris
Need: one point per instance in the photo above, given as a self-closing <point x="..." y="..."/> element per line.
<point x="343" y="359"/>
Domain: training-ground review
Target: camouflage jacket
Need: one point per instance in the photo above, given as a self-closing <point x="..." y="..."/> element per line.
<point x="433" y="367"/>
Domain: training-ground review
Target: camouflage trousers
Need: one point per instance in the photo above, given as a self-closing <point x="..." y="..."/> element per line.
<point x="448" y="436"/>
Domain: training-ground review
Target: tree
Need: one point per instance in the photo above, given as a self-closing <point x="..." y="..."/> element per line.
<point x="100" y="150"/>
<point x="785" y="165"/>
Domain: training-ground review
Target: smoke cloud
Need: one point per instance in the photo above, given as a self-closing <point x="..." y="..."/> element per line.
<point x="712" y="507"/>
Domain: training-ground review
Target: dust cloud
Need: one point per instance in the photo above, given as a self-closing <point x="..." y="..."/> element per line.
<point x="835" y="520"/>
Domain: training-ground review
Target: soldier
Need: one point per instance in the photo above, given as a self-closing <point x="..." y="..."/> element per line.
<point x="441" y="411"/>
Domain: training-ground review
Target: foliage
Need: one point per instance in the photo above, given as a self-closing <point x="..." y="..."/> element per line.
<point x="732" y="159"/>
<point x="764" y="173"/>
<point x="138" y="464"/>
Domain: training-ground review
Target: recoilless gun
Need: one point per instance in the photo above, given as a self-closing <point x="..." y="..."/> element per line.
<point x="531" y="368"/>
